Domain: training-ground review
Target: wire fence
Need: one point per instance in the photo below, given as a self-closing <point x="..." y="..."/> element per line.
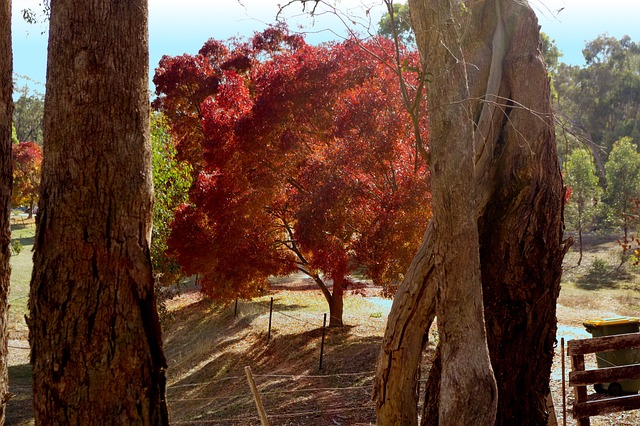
<point x="364" y="404"/>
<point x="214" y="408"/>
<point x="297" y="389"/>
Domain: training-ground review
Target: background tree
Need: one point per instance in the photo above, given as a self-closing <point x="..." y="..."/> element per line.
<point x="519" y="196"/>
<point x="600" y="102"/>
<point x="580" y="176"/>
<point x="6" y="173"/>
<point x="93" y="324"/>
<point x="291" y="159"/>
<point x="27" y="164"/>
<point x="400" y="18"/>
<point x="171" y="182"/>
<point x="623" y="182"/>
<point x="28" y="116"/>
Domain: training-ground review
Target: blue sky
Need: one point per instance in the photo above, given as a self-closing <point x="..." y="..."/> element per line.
<point x="177" y="27"/>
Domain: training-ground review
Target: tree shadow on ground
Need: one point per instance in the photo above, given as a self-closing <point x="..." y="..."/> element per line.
<point x="20" y="406"/>
<point x="607" y="279"/>
<point x="207" y="381"/>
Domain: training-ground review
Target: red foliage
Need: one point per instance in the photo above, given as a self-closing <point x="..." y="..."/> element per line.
<point x="307" y="161"/>
<point x="27" y="165"/>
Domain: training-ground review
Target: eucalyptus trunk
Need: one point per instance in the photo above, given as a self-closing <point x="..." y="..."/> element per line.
<point x="6" y="179"/>
<point x="486" y="76"/>
<point x="96" y="345"/>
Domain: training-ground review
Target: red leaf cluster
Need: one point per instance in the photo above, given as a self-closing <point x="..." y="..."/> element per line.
<point x="27" y="166"/>
<point x="307" y="160"/>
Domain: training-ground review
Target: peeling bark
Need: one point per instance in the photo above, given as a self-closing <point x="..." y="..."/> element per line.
<point x="96" y="347"/>
<point x="519" y="207"/>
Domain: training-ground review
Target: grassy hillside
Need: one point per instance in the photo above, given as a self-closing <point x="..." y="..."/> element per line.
<point x="19" y="410"/>
<point x="207" y="348"/>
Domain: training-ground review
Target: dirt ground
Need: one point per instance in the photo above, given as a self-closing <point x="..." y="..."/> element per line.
<point x="207" y="347"/>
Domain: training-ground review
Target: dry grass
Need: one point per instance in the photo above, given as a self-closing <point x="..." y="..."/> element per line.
<point x="207" y="348"/>
<point x="598" y="287"/>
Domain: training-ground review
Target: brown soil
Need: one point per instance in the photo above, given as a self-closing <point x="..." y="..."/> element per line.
<point x="208" y="348"/>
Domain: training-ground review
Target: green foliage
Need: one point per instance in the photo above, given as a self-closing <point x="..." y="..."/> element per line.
<point x="550" y="52"/>
<point x="623" y="180"/>
<point x="599" y="267"/>
<point x="171" y="181"/>
<point x="28" y="116"/>
<point x="600" y="102"/>
<point x="397" y="17"/>
<point x="580" y="176"/>
<point x="16" y="247"/>
<point x="14" y="135"/>
<point x="42" y="15"/>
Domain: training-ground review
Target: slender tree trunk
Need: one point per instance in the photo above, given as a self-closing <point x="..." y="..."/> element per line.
<point x="6" y="179"/>
<point x="519" y="210"/>
<point x="580" y="244"/>
<point x="96" y="347"/>
<point x="336" y="303"/>
<point x="335" y="300"/>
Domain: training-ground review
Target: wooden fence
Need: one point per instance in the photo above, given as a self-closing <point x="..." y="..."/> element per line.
<point x="579" y="378"/>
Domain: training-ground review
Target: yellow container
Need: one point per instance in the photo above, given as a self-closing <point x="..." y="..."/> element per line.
<point x="609" y="327"/>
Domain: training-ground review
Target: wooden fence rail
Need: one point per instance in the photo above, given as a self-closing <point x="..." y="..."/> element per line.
<point x="580" y="378"/>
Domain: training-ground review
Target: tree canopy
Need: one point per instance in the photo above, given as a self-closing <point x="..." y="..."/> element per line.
<point x="305" y="161"/>
<point x="623" y="181"/>
<point x="600" y="102"/>
<point x="582" y="180"/>
<point x="27" y="165"/>
<point x="28" y="116"/>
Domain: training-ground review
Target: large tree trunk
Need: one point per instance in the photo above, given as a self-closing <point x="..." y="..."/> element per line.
<point x="96" y="347"/>
<point x="6" y="178"/>
<point x="519" y="207"/>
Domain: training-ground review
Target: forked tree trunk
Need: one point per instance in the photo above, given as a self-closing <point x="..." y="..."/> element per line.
<point x="519" y="210"/>
<point x="6" y="177"/>
<point x="96" y="347"/>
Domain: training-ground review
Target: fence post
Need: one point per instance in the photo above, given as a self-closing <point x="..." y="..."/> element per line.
<point x="256" y="396"/>
<point x="324" y="326"/>
<point x="270" y="315"/>
<point x="564" y="386"/>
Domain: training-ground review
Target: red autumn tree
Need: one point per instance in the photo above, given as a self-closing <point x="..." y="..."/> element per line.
<point x="27" y="164"/>
<point x="306" y="161"/>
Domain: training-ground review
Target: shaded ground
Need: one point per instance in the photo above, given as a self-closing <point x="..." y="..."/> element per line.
<point x="207" y="347"/>
<point x="210" y="386"/>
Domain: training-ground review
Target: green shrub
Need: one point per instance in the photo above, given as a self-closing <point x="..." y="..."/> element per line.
<point x="16" y="247"/>
<point x="599" y="267"/>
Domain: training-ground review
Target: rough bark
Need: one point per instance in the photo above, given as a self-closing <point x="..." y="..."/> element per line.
<point x="467" y="388"/>
<point x="6" y="178"/>
<point x="96" y="348"/>
<point x="519" y="207"/>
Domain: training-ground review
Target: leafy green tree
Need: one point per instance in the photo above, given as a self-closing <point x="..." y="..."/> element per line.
<point x="398" y="17"/>
<point x="550" y="52"/>
<point x="600" y="102"/>
<point x="623" y="181"/>
<point x="28" y="116"/>
<point x="580" y="176"/>
<point x="171" y="181"/>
